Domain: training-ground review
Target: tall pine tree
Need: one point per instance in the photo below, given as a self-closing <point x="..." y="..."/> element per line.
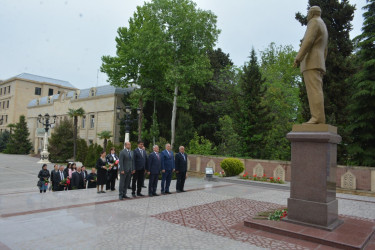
<point x="337" y="15"/>
<point x="362" y="116"/>
<point x="252" y="115"/>
<point x="19" y="142"/>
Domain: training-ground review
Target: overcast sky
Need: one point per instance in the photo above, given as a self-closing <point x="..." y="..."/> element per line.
<point x="66" y="39"/>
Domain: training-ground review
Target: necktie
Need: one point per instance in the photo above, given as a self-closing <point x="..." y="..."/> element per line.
<point x="61" y="176"/>
<point x="183" y="156"/>
<point x="169" y="153"/>
<point x="129" y="154"/>
<point x="157" y="155"/>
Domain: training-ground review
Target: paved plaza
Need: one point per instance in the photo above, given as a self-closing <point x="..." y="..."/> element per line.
<point x="209" y="216"/>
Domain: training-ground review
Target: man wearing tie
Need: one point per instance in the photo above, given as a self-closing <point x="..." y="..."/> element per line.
<point x="77" y="179"/>
<point x="181" y="168"/>
<point x="153" y="169"/>
<point x="126" y="169"/>
<point x="139" y="166"/>
<point x="167" y="167"/>
<point x="59" y="177"/>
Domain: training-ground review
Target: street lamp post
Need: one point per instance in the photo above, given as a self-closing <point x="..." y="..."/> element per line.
<point x="45" y="121"/>
<point x="128" y="120"/>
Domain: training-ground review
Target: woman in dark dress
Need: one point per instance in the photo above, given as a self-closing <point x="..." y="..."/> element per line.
<point x="43" y="178"/>
<point x="91" y="179"/>
<point x="102" y="172"/>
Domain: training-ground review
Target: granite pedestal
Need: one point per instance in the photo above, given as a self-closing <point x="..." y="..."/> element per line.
<point x="312" y="199"/>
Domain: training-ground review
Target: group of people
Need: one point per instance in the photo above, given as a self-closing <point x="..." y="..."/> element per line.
<point x="66" y="178"/>
<point x="132" y="167"/>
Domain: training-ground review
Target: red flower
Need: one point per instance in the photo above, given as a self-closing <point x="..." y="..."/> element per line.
<point x="254" y="175"/>
<point x="264" y="175"/>
<point x="278" y="178"/>
<point x="271" y="178"/>
<point x="116" y="162"/>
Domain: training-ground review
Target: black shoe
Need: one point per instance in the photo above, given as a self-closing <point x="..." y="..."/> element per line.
<point x="129" y="187"/>
<point x="168" y="192"/>
<point x="144" y="186"/>
<point x="44" y="191"/>
<point x="134" y="195"/>
<point x="113" y="189"/>
<point x="162" y="192"/>
<point x="155" y="194"/>
<point x="41" y="191"/>
<point x="140" y="195"/>
<point x="150" y="195"/>
<point x="126" y="197"/>
<point x="178" y="191"/>
<point x="99" y="192"/>
<point x="183" y="191"/>
<point x="121" y="198"/>
<point x="103" y="192"/>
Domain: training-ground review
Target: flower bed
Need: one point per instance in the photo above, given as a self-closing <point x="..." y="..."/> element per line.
<point x="263" y="178"/>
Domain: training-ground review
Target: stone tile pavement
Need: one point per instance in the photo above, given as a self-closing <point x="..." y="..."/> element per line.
<point x="208" y="216"/>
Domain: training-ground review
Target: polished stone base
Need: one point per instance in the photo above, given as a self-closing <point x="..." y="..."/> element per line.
<point x="321" y="215"/>
<point x="313" y="173"/>
<point x="350" y="234"/>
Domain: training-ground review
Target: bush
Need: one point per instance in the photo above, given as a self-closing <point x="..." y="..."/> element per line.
<point x="201" y="146"/>
<point x="232" y="167"/>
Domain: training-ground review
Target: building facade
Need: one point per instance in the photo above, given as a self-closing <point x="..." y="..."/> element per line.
<point x="101" y="105"/>
<point x="16" y="92"/>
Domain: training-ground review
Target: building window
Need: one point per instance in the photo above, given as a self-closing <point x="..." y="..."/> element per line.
<point x="83" y="121"/>
<point x="1" y="91"/>
<point x="92" y="92"/>
<point x="6" y="118"/>
<point x="58" y="92"/>
<point x="3" y="104"/>
<point x="50" y="92"/>
<point x="7" y="104"/>
<point x="9" y="89"/>
<point x="76" y="95"/>
<point x="92" y="121"/>
<point x="5" y="90"/>
<point x="38" y="91"/>
<point x="91" y="142"/>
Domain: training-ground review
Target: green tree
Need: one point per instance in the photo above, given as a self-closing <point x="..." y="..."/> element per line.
<point x="11" y="126"/>
<point x="19" y="142"/>
<point x="93" y="154"/>
<point x="337" y="15"/>
<point x="230" y="141"/>
<point x="75" y="113"/>
<point x="60" y="145"/>
<point x="281" y="99"/>
<point x="361" y="115"/>
<point x="82" y="149"/>
<point x="201" y="146"/>
<point x="184" y="129"/>
<point x="252" y="115"/>
<point x="105" y="135"/>
<point x="4" y="139"/>
<point x="165" y="48"/>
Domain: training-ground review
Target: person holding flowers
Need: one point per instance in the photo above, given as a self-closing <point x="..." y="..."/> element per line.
<point x="43" y="178"/>
<point x="101" y="166"/>
<point x="112" y="162"/>
<point x="55" y="171"/>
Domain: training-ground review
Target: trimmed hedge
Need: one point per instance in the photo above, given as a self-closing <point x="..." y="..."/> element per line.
<point x="232" y="166"/>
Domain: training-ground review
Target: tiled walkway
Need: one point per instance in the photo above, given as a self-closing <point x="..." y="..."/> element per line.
<point x="209" y="216"/>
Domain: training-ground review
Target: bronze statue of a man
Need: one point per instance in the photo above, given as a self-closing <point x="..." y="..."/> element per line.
<point x="311" y="59"/>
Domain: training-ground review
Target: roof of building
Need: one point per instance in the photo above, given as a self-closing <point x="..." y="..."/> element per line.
<point x="83" y="93"/>
<point x="37" y="78"/>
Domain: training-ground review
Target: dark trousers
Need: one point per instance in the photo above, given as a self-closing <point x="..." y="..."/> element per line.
<point x="111" y="181"/>
<point x="137" y="181"/>
<point x="153" y="183"/>
<point x="124" y="183"/>
<point x="55" y="186"/>
<point x="166" y="178"/>
<point x="181" y="176"/>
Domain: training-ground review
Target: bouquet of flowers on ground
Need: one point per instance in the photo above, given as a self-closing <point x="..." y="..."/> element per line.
<point x="46" y="181"/>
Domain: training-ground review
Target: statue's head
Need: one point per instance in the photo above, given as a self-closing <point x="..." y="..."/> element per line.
<point x="313" y="11"/>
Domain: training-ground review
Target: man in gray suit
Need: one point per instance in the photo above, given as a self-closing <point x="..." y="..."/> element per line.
<point x="126" y="169"/>
<point x="311" y="57"/>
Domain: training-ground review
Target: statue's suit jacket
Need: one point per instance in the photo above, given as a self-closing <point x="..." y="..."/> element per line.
<point x="314" y="47"/>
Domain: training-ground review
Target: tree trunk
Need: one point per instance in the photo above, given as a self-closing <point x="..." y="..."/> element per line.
<point x="174" y="111"/>
<point x="105" y="144"/>
<point x="140" y="119"/>
<point x="153" y="122"/>
<point x="75" y="137"/>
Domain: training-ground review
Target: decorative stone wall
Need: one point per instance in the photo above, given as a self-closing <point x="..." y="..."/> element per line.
<point x="258" y="170"/>
<point x="279" y="172"/>
<point x="348" y="181"/>
<point x="364" y="176"/>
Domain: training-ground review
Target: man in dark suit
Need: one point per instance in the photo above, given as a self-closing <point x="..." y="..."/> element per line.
<point x="77" y="179"/>
<point x="85" y="176"/>
<point x="55" y="171"/>
<point x="181" y="169"/>
<point x="144" y="176"/>
<point x="153" y="169"/>
<point x="59" y="177"/>
<point x="167" y="167"/>
<point x="113" y="173"/>
<point x="139" y="166"/>
<point x="126" y="170"/>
